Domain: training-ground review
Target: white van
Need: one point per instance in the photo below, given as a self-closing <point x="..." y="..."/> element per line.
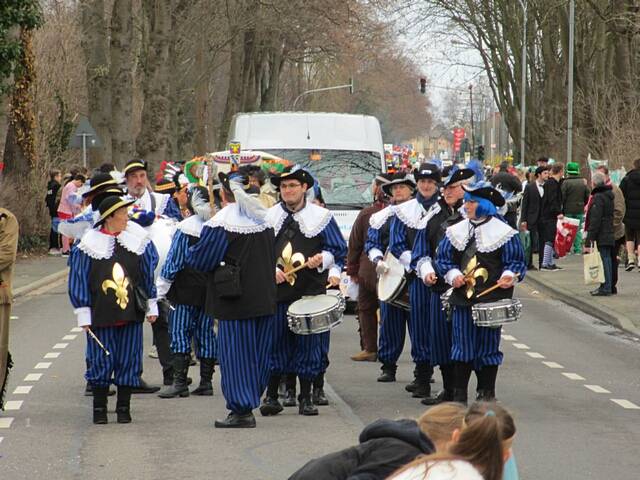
<point x="344" y="152"/>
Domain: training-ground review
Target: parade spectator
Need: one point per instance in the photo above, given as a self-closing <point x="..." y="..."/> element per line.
<point x="52" y="200"/>
<point x="619" y="210"/>
<point x="68" y="207"/>
<point x="599" y="228"/>
<point x="508" y="183"/>
<point x="575" y="193"/>
<point x="531" y="213"/>
<point x="630" y="186"/>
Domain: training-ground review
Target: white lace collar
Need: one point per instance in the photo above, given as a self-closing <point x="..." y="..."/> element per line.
<point x="231" y="220"/>
<point x="490" y="235"/>
<point x="378" y="219"/>
<point x="144" y="202"/>
<point x="191" y="226"/>
<point x="434" y="209"/>
<point x="312" y="219"/>
<point x="410" y="213"/>
<point x="100" y="246"/>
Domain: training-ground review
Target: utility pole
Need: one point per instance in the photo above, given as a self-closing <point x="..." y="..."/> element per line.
<point x="570" y="93"/>
<point x="473" y="137"/>
<point x="523" y="94"/>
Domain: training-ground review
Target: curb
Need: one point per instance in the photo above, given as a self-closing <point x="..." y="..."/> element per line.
<point x="617" y="320"/>
<point x="25" y="289"/>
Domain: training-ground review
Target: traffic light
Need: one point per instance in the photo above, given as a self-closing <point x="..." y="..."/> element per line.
<point x="480" y="153"/>
<point x="423" y="85"/>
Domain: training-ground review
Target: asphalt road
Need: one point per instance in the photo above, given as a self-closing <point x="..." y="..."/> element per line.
<point x="566" y="430"/>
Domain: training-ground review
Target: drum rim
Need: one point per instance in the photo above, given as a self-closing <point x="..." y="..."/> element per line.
<point x="335" y="306"/>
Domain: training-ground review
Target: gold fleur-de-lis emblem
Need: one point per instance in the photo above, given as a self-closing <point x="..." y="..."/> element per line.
<point x="472" y="272"/>
<point x="120" y="285"/>
<point x="288" y="261"/>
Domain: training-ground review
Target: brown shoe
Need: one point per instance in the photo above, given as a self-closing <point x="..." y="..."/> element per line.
<point x="365" y="356"/>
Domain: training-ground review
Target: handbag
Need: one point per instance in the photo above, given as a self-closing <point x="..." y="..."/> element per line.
<point x="593" y="267"/>
<point x="226" y="277"/>
<point x="140" y="299"/>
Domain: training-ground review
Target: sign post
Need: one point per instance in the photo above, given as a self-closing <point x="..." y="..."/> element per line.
<point x="84" y="137"/>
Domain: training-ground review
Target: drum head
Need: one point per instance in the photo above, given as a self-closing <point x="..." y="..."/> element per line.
<point x="390" y="282"/>
<point x="314" y="305"/>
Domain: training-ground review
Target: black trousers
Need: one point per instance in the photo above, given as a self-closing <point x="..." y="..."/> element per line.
<point x="614" y="262"/>
<point x="54" y="237"/>
<point x="162" y="339"/>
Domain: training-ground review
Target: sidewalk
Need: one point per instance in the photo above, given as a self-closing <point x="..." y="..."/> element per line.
<point x="34" y="272"/>
<point x="567" y="285"/>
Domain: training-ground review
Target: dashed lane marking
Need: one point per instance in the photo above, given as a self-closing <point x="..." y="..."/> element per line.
<point x="625" y="404"/>
<point x="553" y="365"/>
<point x="60" y="346"/>
<point x="535" y="355"/>
<point x="5" y="422"/>
<point x="22" y="390"/>
<point x="1" y="438"/>
<point x="69" y="337"/>
<point x="13" y="405"/>
<point x="42" y="365"/>
<point x="573" y="376"/>
<point x="510" y="338"/>
<point x="33" y="377"/>
<point x="52" y="355"/>
<point x="597" y="389"/>
<point x="76" y="329"/>
<point x="521" y="346"/>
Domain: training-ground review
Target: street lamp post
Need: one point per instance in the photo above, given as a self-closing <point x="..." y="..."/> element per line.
<point x="570" y="92"/>
<point x="523" y="95"/>
<point x="325" y="89"/>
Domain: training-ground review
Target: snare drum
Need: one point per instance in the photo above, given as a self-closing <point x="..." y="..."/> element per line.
<point x="496" y="314"/>
<point x="393" y="287"/>
<point x="315" y="314"/>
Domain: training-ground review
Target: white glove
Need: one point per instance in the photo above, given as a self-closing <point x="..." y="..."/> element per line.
<point x="382" y="267"/>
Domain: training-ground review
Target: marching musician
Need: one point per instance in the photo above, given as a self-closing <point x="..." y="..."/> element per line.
<point x="237" y="246"/>
<point x="423" y="258"/>
<point x="305" y="233"/>
<point x="475" y="254"/>
<point x="185" y="288"/>
<point x="111" y="287"/>
<point x="409" y="218"/>
<point x="393" y="319"/>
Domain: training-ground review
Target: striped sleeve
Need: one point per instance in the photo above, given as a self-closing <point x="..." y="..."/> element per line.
<point x="374" y="246"/>
<point x="421" y="253"/>
<point x="333" y="242"/>
<point x="176" y="256"/>
<point x="513" y="260"/>
<point x="80" y="269"/>
<point x="445" y="265"/>
<point x="209" y="251"/>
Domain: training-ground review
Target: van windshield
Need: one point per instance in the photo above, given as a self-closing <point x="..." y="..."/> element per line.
<point x="344" y="176"/>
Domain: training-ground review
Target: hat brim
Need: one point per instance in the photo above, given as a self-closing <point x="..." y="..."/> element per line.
<point x="117" y="206"/>
<point x="100" y="187"/>
<point x="300" y="175"/>
<point x="134" y="167"/>
<point x="388" y="187"/>
<point x="459" y="175"/>
<point x="488" y="193"/>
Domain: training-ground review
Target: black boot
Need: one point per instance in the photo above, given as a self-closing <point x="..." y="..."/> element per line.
<point x="179" y="387"/>
<point x="237" y="420"/>
<point x="207" y="367"/>
<point x="486" y="391"/>
<point x="123" y="404"/>
<point x="88" y="392"/>
<point x="410" y="387"/>
<point x="270" y="404"/>
<point x="460" y="382"/>
<point x="290" y="390"/>
<point x="306" y="406"/>
<point x="318" y="396"/>
<point x="388" y="372"/>
<point x="144" y="387"/>
<point x="100" y="405"/>
<point x="446" y="394"/>
<point x="424" y="372"/>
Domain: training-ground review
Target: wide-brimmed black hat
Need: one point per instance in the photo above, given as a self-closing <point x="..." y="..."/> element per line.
<point x="486" y="191"/>
<point x="399" y="179"/>
<point x="165" y="186"/>
<point x="457" y="175"/>
<point x="383" y="178"/>
<point x="225" y="180"/>
<point x="109" y="205"/>
<point x="100" y="182"/>
<point x="134" y="165"/>
<point x="299" y="174"/>
<point x="428" y="171"/>
<point x="102" y="194"/>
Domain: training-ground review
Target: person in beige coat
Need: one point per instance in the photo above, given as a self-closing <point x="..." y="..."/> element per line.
<point x="8" y="248"/>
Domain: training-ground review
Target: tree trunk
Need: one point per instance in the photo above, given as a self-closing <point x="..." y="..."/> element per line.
<point x="201" y="99"/>
<point x="234" y="91"/>
<point x="5" y="100"/>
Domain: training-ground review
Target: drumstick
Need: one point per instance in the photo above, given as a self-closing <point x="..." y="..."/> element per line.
<point x="93" y="335"/>
<point x="290" y="272"/>
<point x="491" y="289"/>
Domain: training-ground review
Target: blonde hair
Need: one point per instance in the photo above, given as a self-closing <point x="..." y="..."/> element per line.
<point x="439" y="422"/>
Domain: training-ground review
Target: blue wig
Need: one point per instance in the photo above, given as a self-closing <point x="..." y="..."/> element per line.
<point x="485" y="207"/>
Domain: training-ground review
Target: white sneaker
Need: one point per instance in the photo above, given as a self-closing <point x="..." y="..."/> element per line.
<point x="54" y="251"/>
<point x="153" y="352"/>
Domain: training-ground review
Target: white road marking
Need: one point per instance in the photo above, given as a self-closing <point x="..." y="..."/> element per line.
<point x="535" y="355"/>
<point x="13" y="405"/>
<point x="521" y="346"/>
<point x="69" y="337"/>
<point x="625" y="403"/>
<point x="33" y="377"/>
<point x="572" y="376"/>
<point x="76" y="329"/>
<point x="5" y="422"/>
<point x="1" y="438"/>
<point x="511" y="338"/>
<point x="52" y="355"/>
<point x="553" y="365"/>
<point x="22" y="390"/>
<point x="42" y="365"/>
<point x="597" y="389"/>
<point x="13" y="317"/>
<point x="58" y="346"/>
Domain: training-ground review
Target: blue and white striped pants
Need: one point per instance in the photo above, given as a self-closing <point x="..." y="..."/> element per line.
<point x="419" y="295"/>
<point x="187" y="322"/>
<point x="393" y="328"/>
<point x="124" y="361"/>
<point x="244" y="350"/>
<point x="439" y="332"/>
<point x="472" y="344"/>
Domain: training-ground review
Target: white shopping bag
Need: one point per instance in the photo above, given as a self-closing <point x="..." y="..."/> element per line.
<point x="593" y="268"/>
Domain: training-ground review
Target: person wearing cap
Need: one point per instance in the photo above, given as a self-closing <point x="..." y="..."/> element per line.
<point x="531" y="213"/>
<point x="185" y="288"/>
<point x="393" y="319"/>
<point x="237" y="247"/>
<point x="111" y="287"/>
<point x="509" y="183"/>
<point x="178" y="207"/>
<point x="411" y="217"/>
<point x="362" y="271"/>
<point x="423" y="259"/>
<point x="484" y="240"/>
<point x="305" y="233"/>
<point x="575" y="194"/>
<point x="138" y="188"/>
